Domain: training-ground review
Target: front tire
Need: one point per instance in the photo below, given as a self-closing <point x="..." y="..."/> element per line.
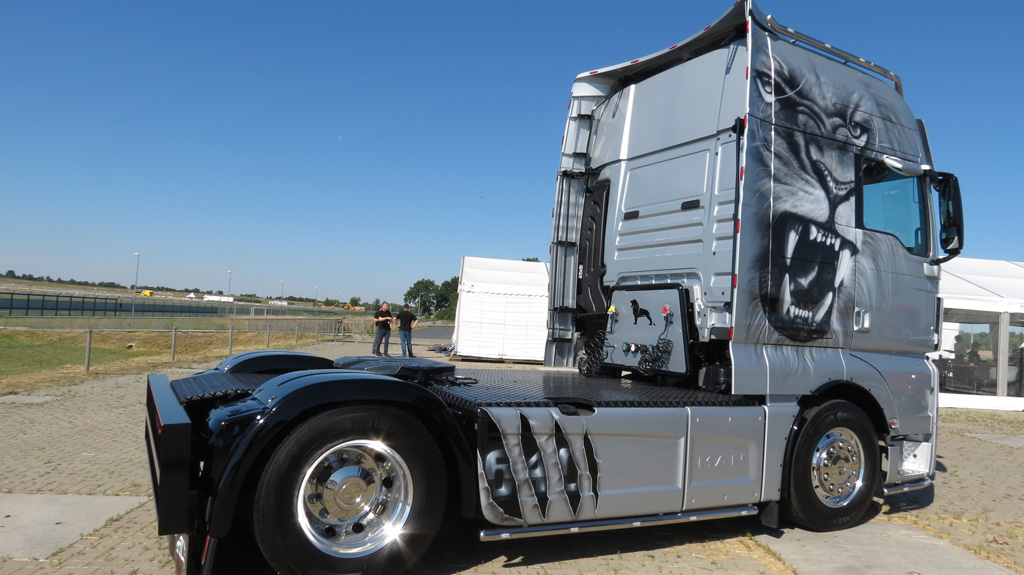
<point x="353" y="490"/>
<point x="835" y="467"/>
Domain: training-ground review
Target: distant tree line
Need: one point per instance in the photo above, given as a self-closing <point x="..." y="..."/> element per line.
<point x="986" y="339"/>
<point x="12" y="275"/>
<point x="427" y="297"/>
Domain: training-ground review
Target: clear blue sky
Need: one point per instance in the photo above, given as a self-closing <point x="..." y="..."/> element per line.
<point x="356" y="147"/>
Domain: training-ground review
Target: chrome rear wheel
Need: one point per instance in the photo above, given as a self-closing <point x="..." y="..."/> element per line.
<point x="355" y="498"/>
<point x="353" y="490"/>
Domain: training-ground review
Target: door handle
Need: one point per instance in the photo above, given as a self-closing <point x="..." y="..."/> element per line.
<point x="861" y="320"/>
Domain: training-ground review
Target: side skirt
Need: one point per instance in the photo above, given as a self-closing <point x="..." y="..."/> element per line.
<point x="611" y="524"/>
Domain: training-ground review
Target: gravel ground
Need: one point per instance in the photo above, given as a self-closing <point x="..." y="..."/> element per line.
<point x="89" y="442"/>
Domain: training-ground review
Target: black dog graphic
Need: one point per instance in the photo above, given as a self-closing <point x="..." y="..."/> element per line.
<point x="639" y="312"/>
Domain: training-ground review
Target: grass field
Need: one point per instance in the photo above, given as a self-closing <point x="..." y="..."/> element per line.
<point x="32" y="359"/>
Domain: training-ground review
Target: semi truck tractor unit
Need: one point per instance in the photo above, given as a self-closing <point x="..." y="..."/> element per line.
<point x="746" y="245"/>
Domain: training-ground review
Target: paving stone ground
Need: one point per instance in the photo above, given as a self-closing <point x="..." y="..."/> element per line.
<point x="89" y="441"/>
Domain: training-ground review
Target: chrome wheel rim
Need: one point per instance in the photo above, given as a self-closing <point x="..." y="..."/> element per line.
<point x="355" y="498"/>
<point x="837" y="470"/>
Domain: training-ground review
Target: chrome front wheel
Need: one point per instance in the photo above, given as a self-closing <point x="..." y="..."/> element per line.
<point x="837" y="471"/>
<point x="834" y="468"/>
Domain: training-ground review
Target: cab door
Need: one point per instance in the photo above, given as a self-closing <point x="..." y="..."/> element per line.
<point x="897" y="286"/>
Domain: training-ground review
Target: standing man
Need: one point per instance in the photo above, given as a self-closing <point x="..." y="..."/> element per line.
<point x="382" y="319"/>
<point x="406" y="321"/>
<point x="959" y="348"/>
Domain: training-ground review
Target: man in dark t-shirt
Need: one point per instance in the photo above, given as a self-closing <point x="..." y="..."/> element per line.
<point x="382" y="319"/>
<point x="406" y="321"/>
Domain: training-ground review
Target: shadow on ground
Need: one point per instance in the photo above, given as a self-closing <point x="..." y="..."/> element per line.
<point x="457" y="547"/>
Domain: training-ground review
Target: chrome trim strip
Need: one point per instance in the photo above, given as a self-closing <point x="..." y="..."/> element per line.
<point x="906" y="487"/>
<point x="610" y="524"/>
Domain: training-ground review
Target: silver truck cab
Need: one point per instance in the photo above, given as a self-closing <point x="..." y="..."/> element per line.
<point x="751" y="212"/>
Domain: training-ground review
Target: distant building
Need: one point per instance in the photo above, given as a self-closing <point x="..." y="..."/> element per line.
<point x="224" y="298"/>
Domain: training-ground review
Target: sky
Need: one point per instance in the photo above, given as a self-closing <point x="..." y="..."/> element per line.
<point x="339" y="149"/>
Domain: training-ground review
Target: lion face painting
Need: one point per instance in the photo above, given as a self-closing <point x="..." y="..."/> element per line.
<point x="805" y="135"/>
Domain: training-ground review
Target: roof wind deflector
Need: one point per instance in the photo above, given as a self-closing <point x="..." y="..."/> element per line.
<point x="841" y="54"/>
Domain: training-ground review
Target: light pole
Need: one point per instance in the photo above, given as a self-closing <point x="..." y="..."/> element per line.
<point x="282" y="290"/>
<point x="229" y="282"/>
<point x="317" y="294"/>
<point x="136" y="284"/>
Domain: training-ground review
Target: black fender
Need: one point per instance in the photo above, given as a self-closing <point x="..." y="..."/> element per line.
<point x="272" y="361"/>
<point x="854" y="393"/>
<point x="292" y="398"/>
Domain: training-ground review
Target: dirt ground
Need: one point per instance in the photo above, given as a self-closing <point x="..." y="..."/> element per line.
<point x="977" y="502"/>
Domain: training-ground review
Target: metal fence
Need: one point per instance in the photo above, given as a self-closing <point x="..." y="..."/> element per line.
<point x="319" y="329"/>
<point x="27" y="304"/>
<point x="336" y="325"/>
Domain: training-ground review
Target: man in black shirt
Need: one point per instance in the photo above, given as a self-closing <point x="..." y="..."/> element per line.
<point x="382" y="319"/>
<point x="406" y="321"/>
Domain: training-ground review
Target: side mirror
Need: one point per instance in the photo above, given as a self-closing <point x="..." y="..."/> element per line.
<point x="951" y="217"/>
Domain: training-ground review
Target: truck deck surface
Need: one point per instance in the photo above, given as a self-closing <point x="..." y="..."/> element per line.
<point x="499" y="388"/>
<point x="211" y="385"/>
<point x="548" y="388"/>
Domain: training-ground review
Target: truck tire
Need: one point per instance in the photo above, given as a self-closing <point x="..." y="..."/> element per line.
<point x="353" y="490"/>
<point x="835" y="467"/>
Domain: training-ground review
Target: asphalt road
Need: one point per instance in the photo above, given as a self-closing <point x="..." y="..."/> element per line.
<point x="433" y="332"/>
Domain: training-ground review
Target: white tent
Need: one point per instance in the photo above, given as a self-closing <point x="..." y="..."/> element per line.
<point x="991" y="292"/>
<point x="502" y="309"/>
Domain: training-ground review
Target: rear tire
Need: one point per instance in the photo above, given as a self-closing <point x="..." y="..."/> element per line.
<point x="835" y="467"/>
<point x="353" y="490"/>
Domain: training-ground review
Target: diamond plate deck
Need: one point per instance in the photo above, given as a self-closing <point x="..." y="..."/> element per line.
<point x="548" y="388"/>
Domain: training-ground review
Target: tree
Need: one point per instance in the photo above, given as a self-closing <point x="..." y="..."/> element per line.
<point x="447" y="299"/>
<point x="447" y="293"/>
<point x="421" y="294"/>
<point x="354" y="301"/>
<point x="531" y="260"/>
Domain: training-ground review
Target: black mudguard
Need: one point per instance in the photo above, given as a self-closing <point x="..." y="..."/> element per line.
<point x="292" y="398"/>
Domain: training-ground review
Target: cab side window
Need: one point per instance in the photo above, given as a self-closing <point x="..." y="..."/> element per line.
<point x="892" y="203"/>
